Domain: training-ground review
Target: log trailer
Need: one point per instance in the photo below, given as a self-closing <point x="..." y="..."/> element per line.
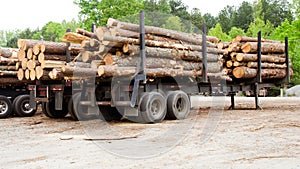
<point x="139" y="97"/>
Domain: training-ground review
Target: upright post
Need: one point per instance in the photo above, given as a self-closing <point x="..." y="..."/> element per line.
<point x="204" y="55"/>
<point x="287" y="61"/>
<point x="68" y="53"/>
<point x="259" y="80"/>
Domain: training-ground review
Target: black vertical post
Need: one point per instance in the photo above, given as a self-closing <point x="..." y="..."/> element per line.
<point x="287" y="61"/>
<point x="204" y="55"/>
<point x="259" y="80"/>
<point x="93" y="27"/>
<point x="142" y="43"/>
<point x="68" y="53"/>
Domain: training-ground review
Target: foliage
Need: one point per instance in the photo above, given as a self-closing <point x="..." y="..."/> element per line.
<point x="259" y="25"/>
<point x="234" y="32"/>
<point x="296" y="8"/>
<point x="225" y="18"/>
<point x="218" y="32"/>
<point x="276" y="11"/>
<point x="209" y="20"/>
<point x="174" y="23"/>
<point x="243" y="16"/>
<point x="292" y="31"/>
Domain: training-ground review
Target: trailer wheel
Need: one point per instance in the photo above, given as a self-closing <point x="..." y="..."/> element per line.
<point x="5" y="107"/>
<point x="48" y="109"/>
<point x="21" y="106"/>
<point x="178" y="105"/>
<point x="109" y="113"/>
<point x="71" y="109"/>
<point x="80" y="111"/>
<point x="153" y="107"/>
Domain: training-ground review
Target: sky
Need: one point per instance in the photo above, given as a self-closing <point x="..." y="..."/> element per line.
<point x="21" y="14"/>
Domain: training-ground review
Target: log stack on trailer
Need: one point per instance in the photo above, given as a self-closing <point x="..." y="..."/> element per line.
<point x="241" y="62"/>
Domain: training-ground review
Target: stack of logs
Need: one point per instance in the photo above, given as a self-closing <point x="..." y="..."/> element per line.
<point x="36" y="58"/>
<point x="114" y="51"/>
<point x="241" y="61"/>
<point x="8" y="66"/>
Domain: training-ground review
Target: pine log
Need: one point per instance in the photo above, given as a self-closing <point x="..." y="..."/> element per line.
<point x="43" y="57"/>
<point x="20" y="74"/>
<point x="265" y="58"/>
<point x="45" y="46"/>
<point x="223" y="45"/>
<point x="236" y="64"/>
<point x="8" y="73"/>
<point x="52" y="64"/>
<point x="27" y="74"/>
<point x="39" y="72"/>
<point x="246" y="73"/>
<point x="7" y="67"/>
<point x="110" y="71"/>
<point x="31" y="64"/>
<point x="74" y="37"/>
<point x="79" y="64"/>
<point x="171" y="53"/>
<point x="36" y="49"/>
<point x="229" y="64"/>
<point x="84" y="32"/>
<point x="266" y="47"/>
<point x="29" y="53"/>
<point x="80" y="72"/>
<point x="153" y="63"/>
<point x="235" y="47"/>
<point x="240" y="38"/>
<point x="24" y="63"/>
<point x="21" y="54"/>
<point x="191" y="38"/>
<point x="8" y="61"/>
<point x="8" y="52"/>
<point x="32" y="75"/>
<point x="266" y="65"/>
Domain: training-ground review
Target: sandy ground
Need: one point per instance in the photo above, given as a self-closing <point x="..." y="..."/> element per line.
<point x="211" y="137"/>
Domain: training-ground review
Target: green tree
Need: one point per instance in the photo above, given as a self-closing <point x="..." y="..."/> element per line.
<point x="51" y="30"/>
<point x="161" y="6"/>
<point x="178" y="8"/>
<point x="225" y="18"/>
<point x="234" y="32"/>
<point x="296" y="8"/>
<point x="209" y="20"/>
<point x="292" y="31"/>
<point x="174" y="23"/>
<point x="94" y="11"/>
<point x="276" y="11"/>
<point x="259" y="25"/>
<point x="243" y="16"/>
<point x="218" y="32"/>
<point x="196" y="18"/>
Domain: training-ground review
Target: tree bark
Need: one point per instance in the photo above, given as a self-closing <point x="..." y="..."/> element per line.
<point x="8" y="61"/>
<point x="43" y="57"/>
<point x="266" y="47"/>
<point x="84" y="32"/>
<point x="8" y="73"/>
<point x="52" y="64"/>
<point x="171" y="53"/>
<point x="253" y="57"/>
<point x="246" y="73"/>
<point x="266" y="65"/>
<point x="240" y="38"/>
<point x="8" y="52"/>
<point x="6" y="67"/>
<point x="74" y="37"/>
<point x="81" y="72"/>
<point x="110" y="71"/>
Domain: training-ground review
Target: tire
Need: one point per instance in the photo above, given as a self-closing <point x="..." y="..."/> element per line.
<point x="5" y="107"/>
<point x="71" y="109"/>
<point x="139" y="118"/>
<point x="49" y="110"/>
<point x="21" y="106"/>
<point x="178" y="105"/>
<point x="109" y="113"/>
<point x="80" y="111"/>
<point x="153" y="107"/>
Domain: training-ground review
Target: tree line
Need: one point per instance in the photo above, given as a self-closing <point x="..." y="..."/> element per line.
<point x="275" y="18"/>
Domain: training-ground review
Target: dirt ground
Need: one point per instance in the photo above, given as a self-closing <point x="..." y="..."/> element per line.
<point x="211" y="137"/>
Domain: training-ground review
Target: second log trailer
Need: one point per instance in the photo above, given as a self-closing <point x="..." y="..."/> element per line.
<point x="140" y="96"/>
